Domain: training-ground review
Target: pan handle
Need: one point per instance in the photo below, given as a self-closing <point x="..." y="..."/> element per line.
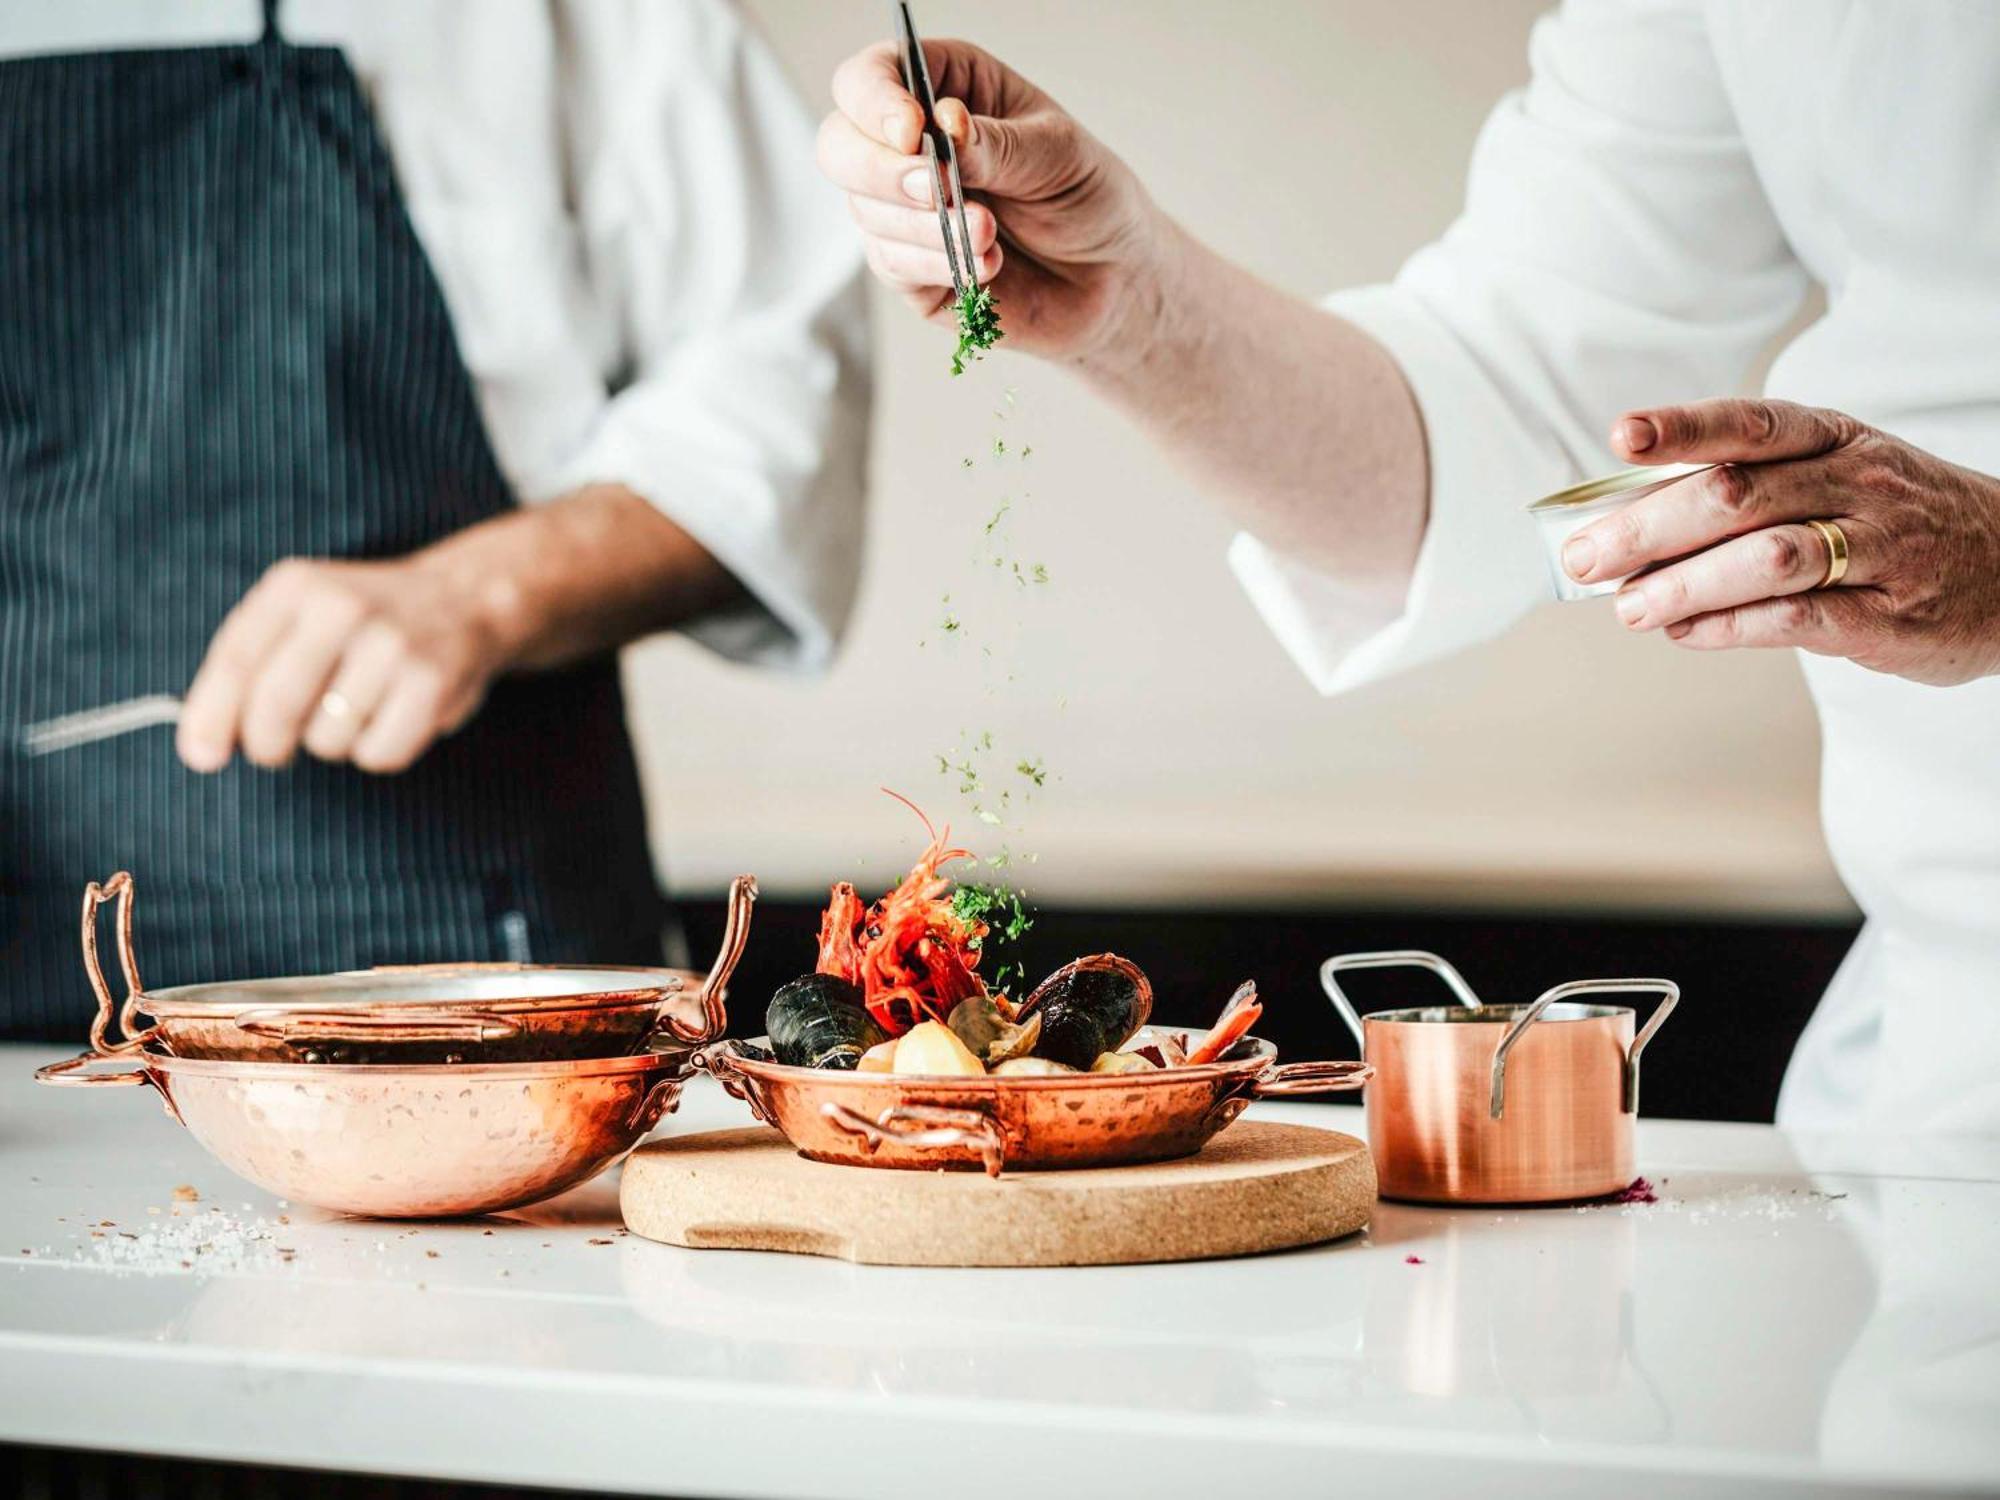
<point x="1319" y="1077"/>
<point x="298" y="1026"/>
<point x="924" y="1125"/>
<point x="1401" y="958"/>
<point x="714" y="1017"/>
<point x="94" y="896"/>
<point x="1666" y="989"/>
<point x="69" y="1074"/>
<point x="719" y="1065"/>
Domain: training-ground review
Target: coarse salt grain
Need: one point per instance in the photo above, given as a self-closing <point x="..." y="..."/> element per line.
<point x="211" y="1241"/>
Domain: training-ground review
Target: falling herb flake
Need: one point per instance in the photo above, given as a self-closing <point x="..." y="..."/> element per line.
<point x="1033" y="770"/>
<point x="999" y="447"/>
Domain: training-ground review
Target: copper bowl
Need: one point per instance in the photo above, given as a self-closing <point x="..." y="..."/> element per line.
<point x="924" y="1123"/>
<point x="402" y="1142"/>
<point x="1477" y="1103"/>
<point x="415" y="1013"/>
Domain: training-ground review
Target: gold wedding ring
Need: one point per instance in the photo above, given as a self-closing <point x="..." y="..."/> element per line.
<point x="333" y="703"/>
<point x="1836" y="552"/>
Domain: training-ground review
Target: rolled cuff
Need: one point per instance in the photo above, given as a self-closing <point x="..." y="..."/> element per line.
<point x="798" y="593"/>
<point x="1479" y="567"/>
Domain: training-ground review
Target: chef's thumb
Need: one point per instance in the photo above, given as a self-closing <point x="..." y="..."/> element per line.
<point x="1006" y="157"/>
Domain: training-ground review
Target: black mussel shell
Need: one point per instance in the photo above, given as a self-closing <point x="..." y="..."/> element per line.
<point x="817" y="1021"/>
<point x="1088" y="1007"/>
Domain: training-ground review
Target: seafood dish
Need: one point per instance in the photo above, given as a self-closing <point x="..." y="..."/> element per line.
<point x="897" y="989"/>
<point x="896" y="1052"/>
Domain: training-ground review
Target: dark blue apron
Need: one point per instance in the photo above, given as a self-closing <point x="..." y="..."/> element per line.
<point x="221" y="345"/>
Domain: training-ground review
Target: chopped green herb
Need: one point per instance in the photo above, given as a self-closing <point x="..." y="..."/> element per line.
<point x="1039" y="573"/>
<point x="999" y="447"/>
<point x="1005" y="912"/>
<point x="1034" y="770"/>
<point x="948" y="624"/>
<point x="978" y="327"/>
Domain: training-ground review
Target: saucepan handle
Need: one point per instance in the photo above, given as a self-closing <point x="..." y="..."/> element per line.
<point x="300" y="1026"/>
<point x="1666" y="989"/>
<point x="1320" y="1077"/>
<point x="1401" y="958"/>
<point x="94" y="896"/>
<point x="713" y="1017"/>
<point x="924" y="1127"/>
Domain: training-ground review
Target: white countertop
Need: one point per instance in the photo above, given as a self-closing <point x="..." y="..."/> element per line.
<point x="1795" y="1314"/>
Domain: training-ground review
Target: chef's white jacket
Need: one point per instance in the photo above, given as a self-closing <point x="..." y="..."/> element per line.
<point x="650" y="281"/>
<point x="1640" y="221"/>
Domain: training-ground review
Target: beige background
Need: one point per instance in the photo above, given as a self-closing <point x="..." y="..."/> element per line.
<point x="1566" y="766"/>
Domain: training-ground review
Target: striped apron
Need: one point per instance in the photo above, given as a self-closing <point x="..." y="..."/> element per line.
<point x="221" y="345"/>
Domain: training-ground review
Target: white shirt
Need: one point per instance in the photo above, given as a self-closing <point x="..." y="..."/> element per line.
<point x="650" y="282"/>
<point x="1640" y="221"/>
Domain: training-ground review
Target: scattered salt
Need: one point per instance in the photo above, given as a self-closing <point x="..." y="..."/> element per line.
<point x="209" y="1241"/>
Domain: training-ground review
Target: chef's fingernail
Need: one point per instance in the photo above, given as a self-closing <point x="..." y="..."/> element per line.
<point x="1679" y="629"/>
<point x="1637" y="434"/>
<point x="201" y="755"/>
<point x="917" y="185"/>
<point x="1579" y="554"/>
<point x="892" y="130"/>
<point x="1631" y="608"/>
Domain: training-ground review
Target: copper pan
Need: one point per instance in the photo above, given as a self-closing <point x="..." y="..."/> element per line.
<point x="1024" y="1123"/>
<point x="402" y="1142"/>
<point x="1477" y="1103"/>
<point x="414" y="1013"/>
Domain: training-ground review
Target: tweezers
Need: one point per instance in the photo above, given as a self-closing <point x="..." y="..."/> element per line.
<point x="938" y="149"/>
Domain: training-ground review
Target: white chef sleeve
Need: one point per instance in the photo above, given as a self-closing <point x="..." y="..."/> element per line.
<point x="733" y="284"/>
<point x="1615" y="250"/>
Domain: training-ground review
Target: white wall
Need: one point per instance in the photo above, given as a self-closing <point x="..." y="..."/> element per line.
<point x="1566" y="765"/>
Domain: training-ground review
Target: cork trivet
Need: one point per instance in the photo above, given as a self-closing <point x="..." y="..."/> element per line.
<point x="1258" y="1186"/>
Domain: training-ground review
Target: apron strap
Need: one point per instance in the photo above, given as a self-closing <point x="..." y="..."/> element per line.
<point x="272" y="37"/>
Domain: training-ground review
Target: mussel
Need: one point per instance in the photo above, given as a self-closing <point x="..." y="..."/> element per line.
<point x="1088" y="1007"/>
<point x="818" y="1022"/>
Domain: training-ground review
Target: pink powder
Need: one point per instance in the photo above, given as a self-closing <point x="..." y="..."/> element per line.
<point x="1640" y="1191"/>
<point x="1413" y="1260"/>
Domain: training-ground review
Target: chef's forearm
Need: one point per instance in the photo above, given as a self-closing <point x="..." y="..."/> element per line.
<point x="1295" y="421"/>
<point x="580" y="575"/>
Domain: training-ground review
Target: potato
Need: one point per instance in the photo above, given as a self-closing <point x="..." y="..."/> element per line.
<point x="1122" y="1062"/>
<point x="932" y="1048"/>
<point x="880" y="1058"/>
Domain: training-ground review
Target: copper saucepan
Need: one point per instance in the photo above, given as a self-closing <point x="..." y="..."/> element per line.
<point x="1477" y="1103"/>
<point x="415" y="1141"/>
<point x="924" y="1123"/>
<point x="415" y="1013"/>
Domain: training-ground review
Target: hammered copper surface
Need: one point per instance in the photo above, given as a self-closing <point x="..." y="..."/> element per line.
<point x="1067" y="1120"/>
<point x="407" y="1142"/>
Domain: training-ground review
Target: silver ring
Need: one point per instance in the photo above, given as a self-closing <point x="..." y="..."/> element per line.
<point x="333" y="703"/>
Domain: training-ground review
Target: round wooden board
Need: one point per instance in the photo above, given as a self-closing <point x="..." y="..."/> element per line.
<point x="1258" y="1186"/>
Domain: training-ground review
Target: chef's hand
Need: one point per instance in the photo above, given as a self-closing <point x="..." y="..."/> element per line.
<point x="368" y="662"/>
<point x="1734" y="564"/>
<point x="373" y="662"/>
<point x="1071" y="215"/>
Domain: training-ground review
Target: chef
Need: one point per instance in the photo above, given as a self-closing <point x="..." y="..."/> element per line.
<point x="368" y="375"/>
<point x="1640" y="221"/>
